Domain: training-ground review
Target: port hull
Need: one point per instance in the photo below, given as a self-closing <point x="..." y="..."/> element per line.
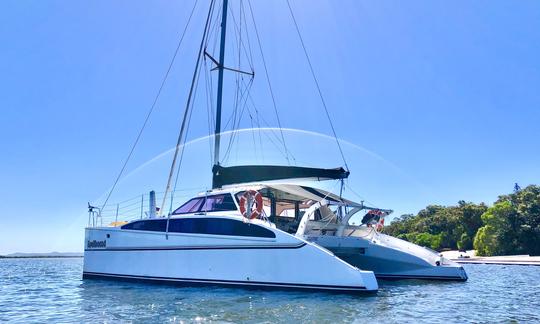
<point x="183" y="282"/>
<point x="285" y="262"/>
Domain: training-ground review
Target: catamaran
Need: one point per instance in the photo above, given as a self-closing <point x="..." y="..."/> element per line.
<point x="219" y="237"/>
<point x="257" y="227"/>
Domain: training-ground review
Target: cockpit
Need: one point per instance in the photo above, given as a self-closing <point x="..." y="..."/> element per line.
<point x="285" y="206"/>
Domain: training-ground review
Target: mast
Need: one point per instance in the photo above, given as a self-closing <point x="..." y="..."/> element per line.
<point x="220" y="82"/>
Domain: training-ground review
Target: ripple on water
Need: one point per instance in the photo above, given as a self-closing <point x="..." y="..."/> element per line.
<point x="51" y="290"/>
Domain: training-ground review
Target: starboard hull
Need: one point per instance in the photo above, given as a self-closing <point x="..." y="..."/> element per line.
<point x="389" y="262"/>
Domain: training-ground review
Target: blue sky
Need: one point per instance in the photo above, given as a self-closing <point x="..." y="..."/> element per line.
<point x="442" y="99"/>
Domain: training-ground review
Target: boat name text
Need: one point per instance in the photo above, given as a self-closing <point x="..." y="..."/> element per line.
<point x="96" y="244"/>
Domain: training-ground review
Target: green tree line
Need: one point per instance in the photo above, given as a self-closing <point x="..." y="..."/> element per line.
<point x="510" y="226"/>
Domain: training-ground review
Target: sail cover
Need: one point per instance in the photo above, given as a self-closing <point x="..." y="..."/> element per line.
<point x="223" y="176"/>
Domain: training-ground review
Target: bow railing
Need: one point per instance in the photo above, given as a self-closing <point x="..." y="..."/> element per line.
<point x="136" y="207"/>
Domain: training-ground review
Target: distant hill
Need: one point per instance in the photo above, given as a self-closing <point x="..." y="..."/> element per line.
<point x="44" y="255"/>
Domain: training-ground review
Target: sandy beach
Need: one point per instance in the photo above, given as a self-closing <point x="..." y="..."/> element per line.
<point x="470" y="257"/>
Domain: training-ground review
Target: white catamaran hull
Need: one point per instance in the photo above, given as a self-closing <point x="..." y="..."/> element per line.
<point x="391" y="258"/>
<point x="191" y="259"/>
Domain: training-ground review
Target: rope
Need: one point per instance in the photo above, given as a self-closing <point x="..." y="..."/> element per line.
<point x="317" y="84"/>
<point x="152" y="107"/>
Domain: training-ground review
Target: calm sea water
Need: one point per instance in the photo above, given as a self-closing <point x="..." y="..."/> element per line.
<point x="51" y="290"/>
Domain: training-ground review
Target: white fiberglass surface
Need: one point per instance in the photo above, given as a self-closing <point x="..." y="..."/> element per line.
<point x="370" y="234"/>
<point x="408" y="247"/>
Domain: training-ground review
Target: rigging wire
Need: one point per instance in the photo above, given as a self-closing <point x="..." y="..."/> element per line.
<point x="244" y="106"/>
<point x="214" y="30"/>
<point x="152" y="107"/>
<point x="234" y="114"/>
<point x="277" y="137"/>
<point x="357" y="195"/>
<point x="240" y="98"/>
<point x="238" y="29"/>
<point x="209" y="107"/>
<point x="317" y="84"/>
<point x="250" y="56"/>
<point x="183" y="144"/>
<point x="238" y="75"/>
<point x="272" y="132"/>
<point x="268" y="80"/>
<point x="188" y="105"/>
<point x="236" y="124"/>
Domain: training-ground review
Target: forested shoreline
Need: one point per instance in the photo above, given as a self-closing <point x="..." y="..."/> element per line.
<point x="510" y="226"/>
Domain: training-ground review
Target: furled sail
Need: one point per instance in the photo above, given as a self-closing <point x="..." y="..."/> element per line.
<point x="223" y="176"/>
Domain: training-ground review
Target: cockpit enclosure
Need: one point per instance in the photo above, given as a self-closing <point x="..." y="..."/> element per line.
<point x="293" y="208"/>
<point x="303" y="210"/>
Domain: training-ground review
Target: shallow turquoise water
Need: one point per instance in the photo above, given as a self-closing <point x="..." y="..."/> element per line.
<point x="51" y="290"/>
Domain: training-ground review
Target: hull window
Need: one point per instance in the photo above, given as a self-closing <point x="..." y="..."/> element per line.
<point x="212" y="226"/>
<point x="158" y="225"/>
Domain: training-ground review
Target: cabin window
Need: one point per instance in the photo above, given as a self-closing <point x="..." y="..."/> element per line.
<point x="214" y="203"/>
<point x="218" y="203"/>
<point x="192" y="206"/>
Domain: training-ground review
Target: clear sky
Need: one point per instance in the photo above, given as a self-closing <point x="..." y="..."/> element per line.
<point x="442" y="99"/>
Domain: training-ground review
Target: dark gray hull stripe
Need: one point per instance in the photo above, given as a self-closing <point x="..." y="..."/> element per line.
<point x="397" y="276"/>
<point x="237" y="283"/>
<point x="202" y="247"/>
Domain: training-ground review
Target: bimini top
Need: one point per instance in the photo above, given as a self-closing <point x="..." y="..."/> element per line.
<point x="286" y="194"/>
<point x="223" y="176"/>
